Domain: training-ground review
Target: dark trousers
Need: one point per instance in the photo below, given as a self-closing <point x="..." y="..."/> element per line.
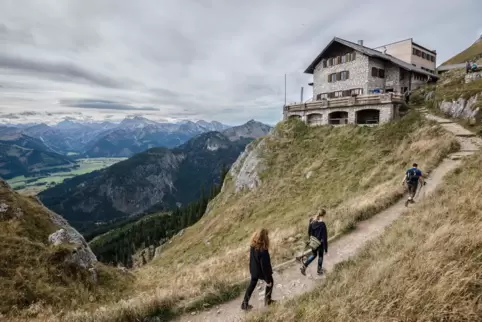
<point x="412" y="189"/>
<point x="252" y="286"/>
<point x="316" y="252"/>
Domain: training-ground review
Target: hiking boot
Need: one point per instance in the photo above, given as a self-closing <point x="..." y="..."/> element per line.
<point x="303" y="270"/>
<point x="246" y="307"/>
<point x="406" y="203"/>
<point x="269" y="302"/>
<point x="320" y="271"/>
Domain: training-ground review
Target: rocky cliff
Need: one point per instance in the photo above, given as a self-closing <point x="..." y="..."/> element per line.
<point x="454" y="97"/>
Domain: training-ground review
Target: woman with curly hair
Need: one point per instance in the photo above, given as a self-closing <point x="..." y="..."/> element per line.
<point x="259" y="268"/>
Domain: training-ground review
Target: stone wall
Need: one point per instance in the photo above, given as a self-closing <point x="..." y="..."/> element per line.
<point x="375" y="82"/>
<point x="416" y="83"/>
<point x="320" y="116"/>
<point x="358" y="70"/>
<point x="361" y="77"/>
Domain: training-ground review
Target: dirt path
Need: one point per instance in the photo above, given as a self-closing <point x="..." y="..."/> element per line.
<point x="289" y="282"/>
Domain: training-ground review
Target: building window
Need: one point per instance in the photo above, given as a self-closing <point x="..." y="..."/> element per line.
<point x="378" y="72"/>
<point x="414" y="51"/>
<point x="343" y="59"/>
<point x="324" y="63"/>
<point x="340" y="76"/>
<point x="344" y="75"/>
<point x="432" y="58"/>
<point x="330" y="62"/>
<point x="419" y="77"/>
<point x="353" y="56"/>
<point x="374" y="72"/>
<point x="402" y="74"/>
<point x="423" y="55"/>
<point x="332" y="78"/>
<point x="338" y="94"/>
<point x="338" y="59"/>
<point x="356" y="91"/>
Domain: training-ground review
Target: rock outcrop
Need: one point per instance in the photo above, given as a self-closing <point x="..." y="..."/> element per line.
<point x="81" y="255"/>
<point x="469" y="109"/>
<point x="470" y="77"/>
<point x="245" y="171"/>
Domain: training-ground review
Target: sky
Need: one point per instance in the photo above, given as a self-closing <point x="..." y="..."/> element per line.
<point x="220" y="60"/>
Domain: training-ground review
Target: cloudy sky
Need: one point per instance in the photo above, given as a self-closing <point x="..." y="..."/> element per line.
<point x="219" y="60"/>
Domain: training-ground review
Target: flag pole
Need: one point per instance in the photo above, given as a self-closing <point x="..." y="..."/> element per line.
<point x="285" y="89"/>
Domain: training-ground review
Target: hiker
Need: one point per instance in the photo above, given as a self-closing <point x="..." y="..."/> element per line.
<point x="474" y="67"/>
<point x="467" y="67"/>
<point x="318" y="241"/>
<point x="259" y="268"/>
<point x="412" y="177"/>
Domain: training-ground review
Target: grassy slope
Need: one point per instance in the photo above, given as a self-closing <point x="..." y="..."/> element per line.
<point x="355" y="172"/>
<point x="468" y="54"/>
<point x="33" y="274"/>
<point x="426" y="267"/>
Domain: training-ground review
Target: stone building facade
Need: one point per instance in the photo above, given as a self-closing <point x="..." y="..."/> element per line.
<point x="345" y="69"/>
<point x="349" y="82"/>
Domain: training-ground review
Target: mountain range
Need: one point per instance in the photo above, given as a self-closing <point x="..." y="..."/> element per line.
<point x="22" y="155"/>
<point x="106" y="139"/>
<point x="157" y="179"/>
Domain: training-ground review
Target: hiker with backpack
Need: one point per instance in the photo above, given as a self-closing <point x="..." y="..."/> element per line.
<point x="413" y="177"/>
<point x="259" y="268"/>
<point x="318" y="243"/>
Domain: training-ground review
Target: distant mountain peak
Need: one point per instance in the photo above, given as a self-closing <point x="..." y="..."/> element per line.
<point x="251" y="129"/>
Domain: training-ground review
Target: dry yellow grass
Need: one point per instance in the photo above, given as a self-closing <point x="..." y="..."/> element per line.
<point x="355" y="172"/>
<point x="33" y="275"/>
<point x="426" y="267"/>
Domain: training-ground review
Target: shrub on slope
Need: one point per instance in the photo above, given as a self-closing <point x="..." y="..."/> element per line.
<point x="426" y="267"/>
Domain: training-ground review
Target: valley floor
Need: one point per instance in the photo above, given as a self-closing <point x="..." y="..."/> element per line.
<point x="290" y="283"/>
<point x="34" y="185"/>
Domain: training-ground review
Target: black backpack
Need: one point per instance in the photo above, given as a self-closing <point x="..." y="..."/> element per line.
<point x="412" y="176"/>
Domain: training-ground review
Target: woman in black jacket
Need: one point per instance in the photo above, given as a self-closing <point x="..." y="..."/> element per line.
<point x="259" y="268"/>
<point x="317" y="229"/>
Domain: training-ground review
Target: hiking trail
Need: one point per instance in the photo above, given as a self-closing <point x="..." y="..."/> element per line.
<point x="289" y="282"/>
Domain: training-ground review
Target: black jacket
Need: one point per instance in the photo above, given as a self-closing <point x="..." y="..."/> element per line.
<point x="260" y="264"/>
<point x="318" y="229"/>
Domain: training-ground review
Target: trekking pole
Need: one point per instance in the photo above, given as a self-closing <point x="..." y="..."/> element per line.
<point x="418" y="192"/>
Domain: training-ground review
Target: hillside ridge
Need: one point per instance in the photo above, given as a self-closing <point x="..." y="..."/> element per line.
<point x="288" y="280"/>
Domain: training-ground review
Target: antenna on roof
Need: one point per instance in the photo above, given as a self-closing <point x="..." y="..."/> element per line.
<point x="385" y="49"/>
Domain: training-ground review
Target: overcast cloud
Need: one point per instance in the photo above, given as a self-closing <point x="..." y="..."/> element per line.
<point x="201" y="59"/>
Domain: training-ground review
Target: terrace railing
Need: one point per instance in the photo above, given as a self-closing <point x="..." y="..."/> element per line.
<point x="347" y="102"/>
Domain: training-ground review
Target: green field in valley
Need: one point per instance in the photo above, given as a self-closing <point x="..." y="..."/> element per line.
<point x="33" y="185"/>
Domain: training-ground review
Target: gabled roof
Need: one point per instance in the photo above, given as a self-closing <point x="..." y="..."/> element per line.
<point x="369" y="52"/>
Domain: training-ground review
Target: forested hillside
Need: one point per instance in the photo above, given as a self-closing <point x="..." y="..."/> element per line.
<point x="119" y="245"/>
<point x="157" y="180"/>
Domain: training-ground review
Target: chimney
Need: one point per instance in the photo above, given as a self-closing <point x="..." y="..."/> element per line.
<point x="360" y="42"/>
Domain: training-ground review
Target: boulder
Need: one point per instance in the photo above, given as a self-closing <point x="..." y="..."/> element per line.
<point x="81" y="254"/>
